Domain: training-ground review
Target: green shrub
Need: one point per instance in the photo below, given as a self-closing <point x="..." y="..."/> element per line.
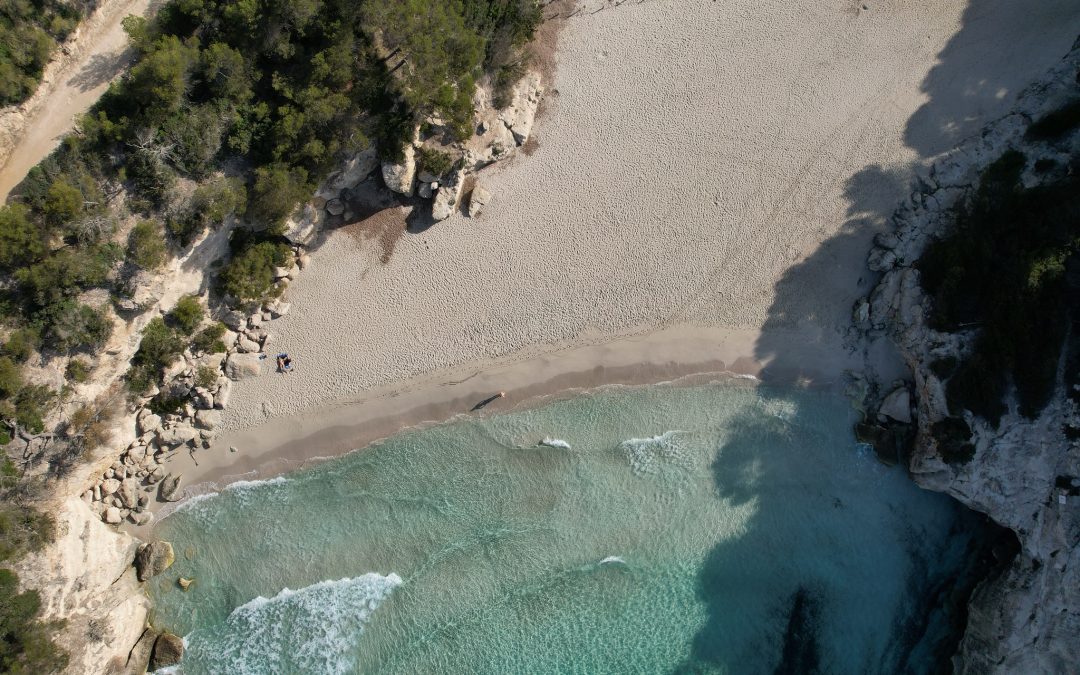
<point x="26" y="644"/>
<point x="159" y="346"/>
<point x="30" y="406"/>
<point x="72" y="326"/>
<point x="146" y="245"/>
<point x="250" y="274"/>
<point x="22" y="342"/>
<point x="277" y="192"/>
<point x="63" y="202"/>
<point x="208" y="340"/>
<point x="953" y="437"/>
<point x="210" y="205"/>
<point x="207" y="377"/>
<point x="21" y="239"/>
<point x="10" y="378"/>
<point x="78" y="370"/>
<point x="1001" y="272"/>
<point x="436" y="162"/>
<point x="187" y="314"/>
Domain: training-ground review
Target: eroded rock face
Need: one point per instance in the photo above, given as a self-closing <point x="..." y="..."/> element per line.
<point x="447" y="198"/>
<point x="85" y="578"/>
<point x="521" y="113"/>
<point x="1021" y="473"/>
<point x="154" y="558"/>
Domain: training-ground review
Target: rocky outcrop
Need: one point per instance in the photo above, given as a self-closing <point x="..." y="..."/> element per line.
<point x="240" y="366"/>
<point x="154" y="558"/>
<point x="447" y="198"/>
<point x="478" y="199"/>
<point x="519" y="116"/>
<point x="1023" y="473"/>
<point x="400" y="176"/>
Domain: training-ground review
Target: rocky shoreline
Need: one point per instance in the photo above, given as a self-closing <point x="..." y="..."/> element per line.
<point x="1023" y="473"/>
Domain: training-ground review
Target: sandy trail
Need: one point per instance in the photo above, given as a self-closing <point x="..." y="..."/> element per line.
<point x="713" y="166"/>
<point x="72" y="83"/>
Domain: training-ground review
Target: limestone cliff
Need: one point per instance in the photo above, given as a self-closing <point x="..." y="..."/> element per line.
<point x="86" y="578"/>
<point x="1025" y="619"/>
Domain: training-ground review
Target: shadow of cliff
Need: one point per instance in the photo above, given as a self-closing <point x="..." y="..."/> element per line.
<point x="964" y="91"/>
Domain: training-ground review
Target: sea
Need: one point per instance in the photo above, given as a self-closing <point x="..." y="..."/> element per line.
<point x="721" y="528"/>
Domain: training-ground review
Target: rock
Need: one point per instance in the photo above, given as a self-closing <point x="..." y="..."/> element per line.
<point x="861" y="312"/>
<point x="109" y="486"/>
<point x="280" y="309"/>
<point x="242" y="366"/>
<point x="480" y="197"/>
<point x="886" y="240"/>
<point x="881" y="260"/>
<point x="112" y="516"/>
<point x="129" y="493"/>
<point x="446" y="199"/>
<point x="141" y="518"/>
<point x="169" y="487"/>
<point x="423" y="190"/>
<point x="154" y="558"/>
<point x="168" y="650"/>
<point x="229" y="339"/>
<point x="897" y="405"/>
<point x="177" y="435"/>
<point x="356" y="169"/>
<point x="399" y="176"/>
<point x="281" y="272"/>
<point x="236" y="320"/>
<point x="208" y="419"/>
<point x="303" y="261"/>
<point x="294" y="272"/>
<point x="247" y="345"/>
<point x="255" y="320"/>
<point x="148" y="421"/>
<point x="224" y="393"/>
<point x="232" y="448"/>
<point x="184" y="583"/>
<point x="139" y="658"/>
<point x="204" y="400"/>
<point x="521" y="113"/>
<point x="335" y="207"/>
<point x="155" y="476"/>
<point x="426" y="177"/>
<point x="143" y="501"/>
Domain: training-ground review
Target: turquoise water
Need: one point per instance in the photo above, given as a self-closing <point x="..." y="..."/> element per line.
<point x="723" y="528"/>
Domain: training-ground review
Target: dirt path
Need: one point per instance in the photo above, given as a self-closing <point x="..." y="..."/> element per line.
<point x="73" y="81"/>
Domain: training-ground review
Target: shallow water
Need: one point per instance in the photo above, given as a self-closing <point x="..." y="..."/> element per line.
<point x="723" y="528"/>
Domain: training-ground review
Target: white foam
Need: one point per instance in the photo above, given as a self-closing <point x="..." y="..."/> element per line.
<point x="248" y="484"/>
<point x="645" y="453"/>
<point x="612" y="559"/>
<point x="555" y="443"/>
<point x="312" y="629"/>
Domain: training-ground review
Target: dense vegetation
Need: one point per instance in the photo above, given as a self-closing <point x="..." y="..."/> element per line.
<point x="29" y="30"/>
<point x="1009" y="270"/>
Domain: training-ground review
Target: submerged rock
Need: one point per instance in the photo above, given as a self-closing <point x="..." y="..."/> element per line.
<point x="154" y="558"/>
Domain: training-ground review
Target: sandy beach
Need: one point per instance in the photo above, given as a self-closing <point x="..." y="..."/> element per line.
<point x="706" y="183"/>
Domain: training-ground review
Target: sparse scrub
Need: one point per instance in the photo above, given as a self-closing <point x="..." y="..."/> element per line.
<point x="146" y="245"/>
<point x="187" y="314"/>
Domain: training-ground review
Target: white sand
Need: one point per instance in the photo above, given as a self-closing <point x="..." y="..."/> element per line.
<point x="712" y="164"/>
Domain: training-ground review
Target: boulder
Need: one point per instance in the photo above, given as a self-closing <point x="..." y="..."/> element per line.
<point x="129" y="493"/>
<point x="897" y="405"/>
<point x="399" y="176"/>
<point x="148" y="421"/>
<point x="109" y="486"/>
<point x="138" y="659"/>
<point x="303" y="261"/>
<point x="184" y="583"/>
<point x="112" y="516"/>
<point x="154" y="558"/>
<point x="423" y="190"/>
<point x="243" y="366"/>
<point x="280" y="309"/>
<point x="224" y="393"/>
<point x="168" y="650"/>
<point x="246" y="345"/>
<point x="204" y="400"/>
<point x="177" y="435"/>
<point x="479" y="198"/>
<point x="446" y="199"/>
<point x="208" y="419"/>
<point x="335" y="207"/>
<point x="141" y="518"/>
<point x="169" y="487"/>
<point x="281" y="272"/>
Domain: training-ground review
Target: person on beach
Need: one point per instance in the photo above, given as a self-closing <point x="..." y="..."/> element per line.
<point x="284" y="363"/>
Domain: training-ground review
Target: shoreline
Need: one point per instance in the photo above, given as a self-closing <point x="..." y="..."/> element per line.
<point x="294" y="442"/>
